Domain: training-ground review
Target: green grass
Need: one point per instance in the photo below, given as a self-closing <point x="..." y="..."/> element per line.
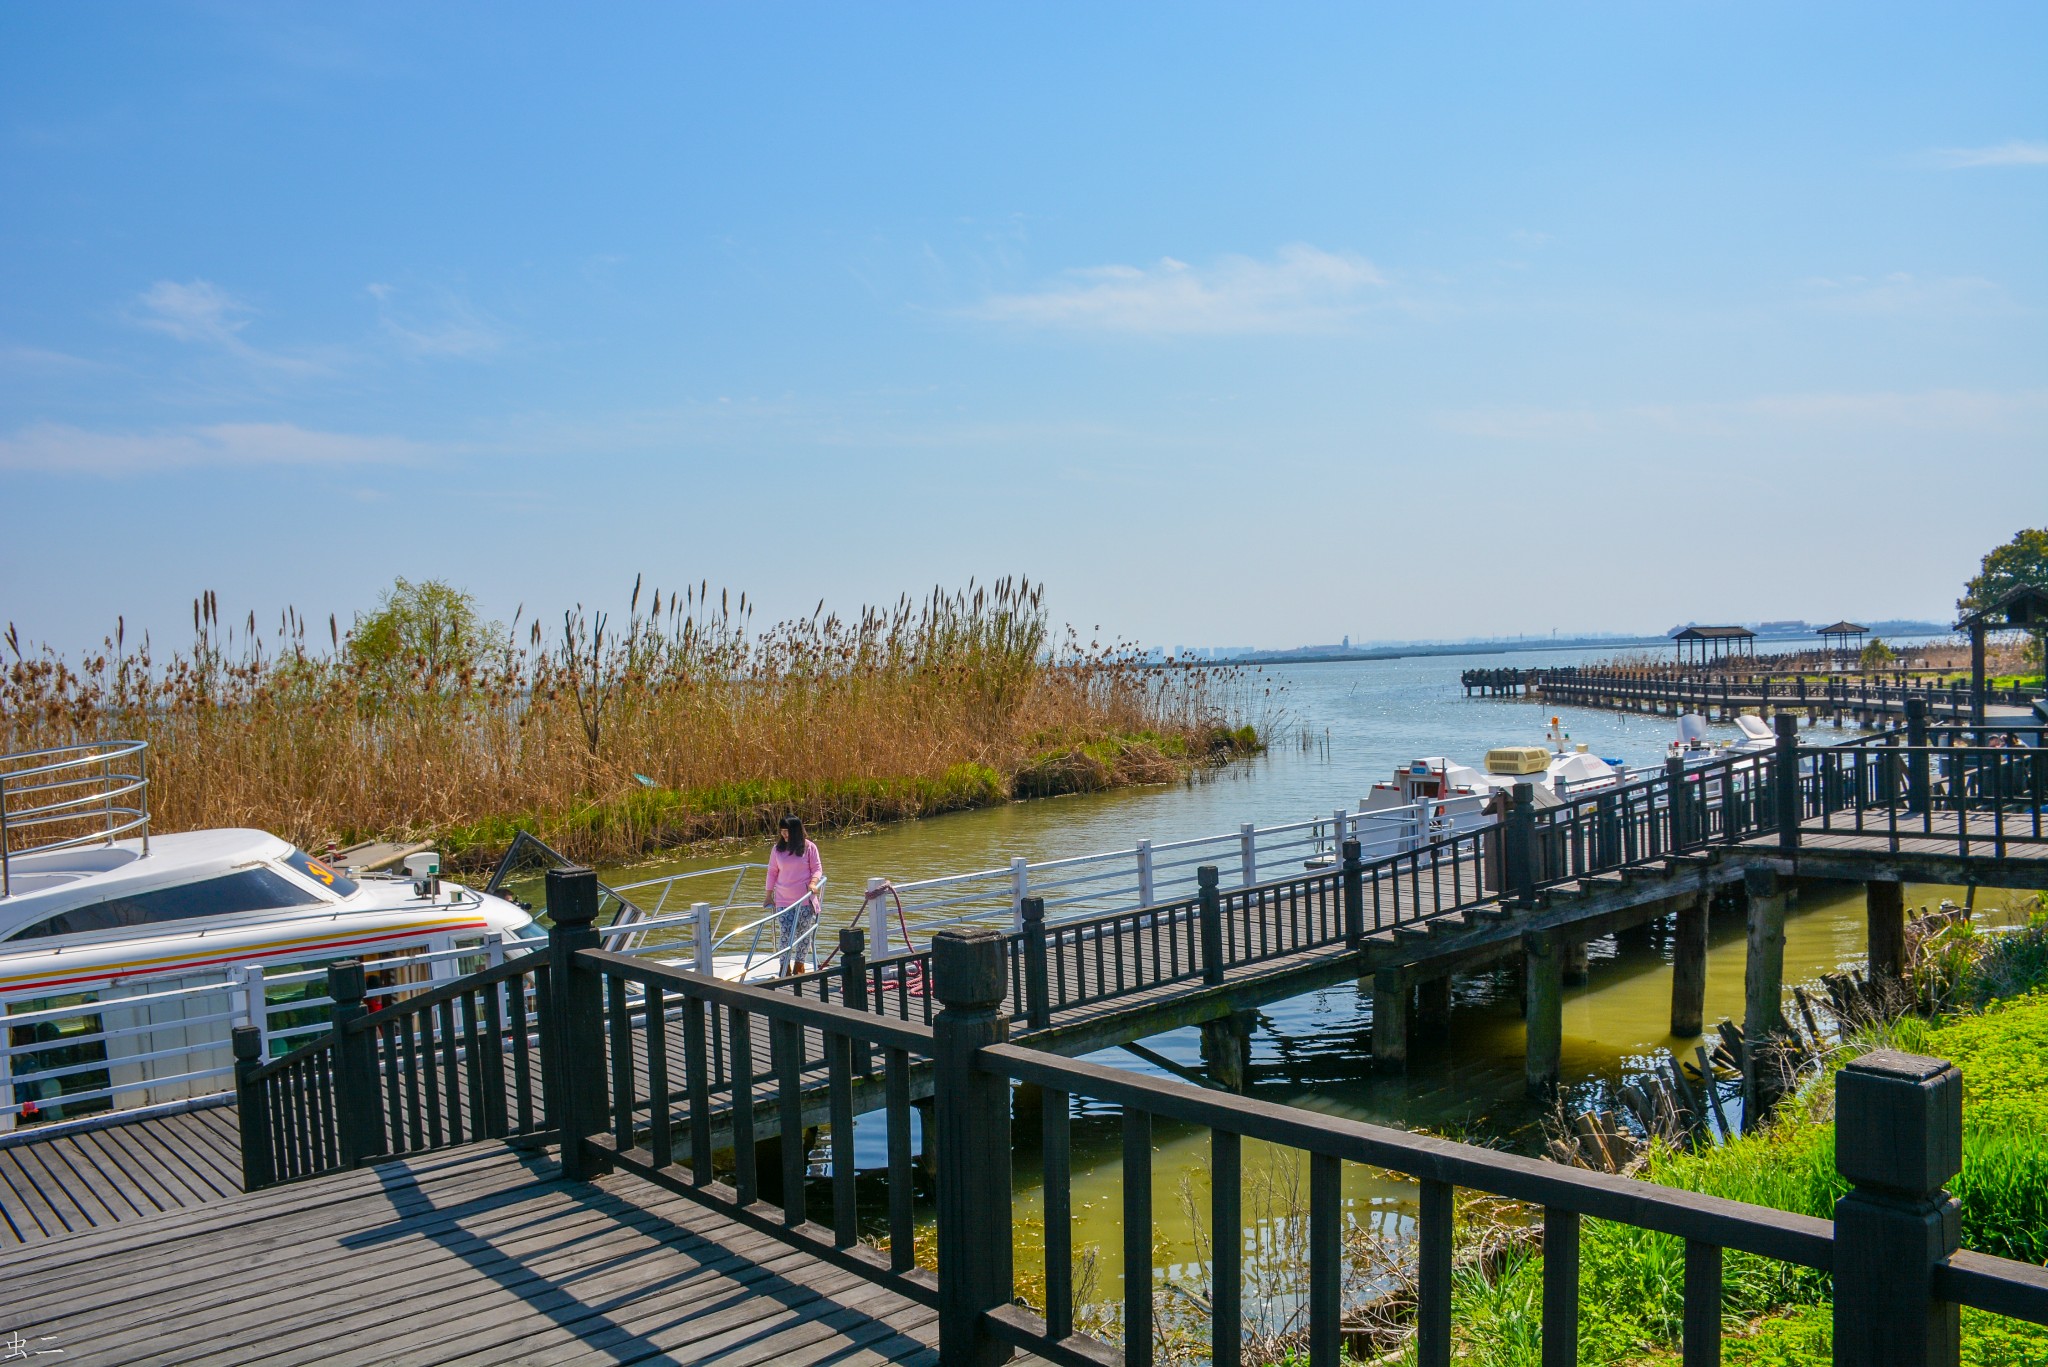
<point x="1804" y="1337"/>
<point x="658" y="818"/>
<point x="1633" y="1280"/>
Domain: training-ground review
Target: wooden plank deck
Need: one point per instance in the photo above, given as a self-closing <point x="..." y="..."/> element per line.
<point x="476" y="1255"/>
<point x="73" y="1181"/>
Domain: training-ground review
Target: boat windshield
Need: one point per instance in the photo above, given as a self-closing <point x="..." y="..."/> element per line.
<point x="326" y="875"/>
<point x="253" y="889"/>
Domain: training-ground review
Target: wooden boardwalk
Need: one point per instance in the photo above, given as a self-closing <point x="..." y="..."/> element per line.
<point x="475" y="1255"/>
<point x="1132" y="977"/>
<point x="74" y="1181"/>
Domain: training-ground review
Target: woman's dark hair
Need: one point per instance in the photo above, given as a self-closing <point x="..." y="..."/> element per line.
<point x="791" y="841"/>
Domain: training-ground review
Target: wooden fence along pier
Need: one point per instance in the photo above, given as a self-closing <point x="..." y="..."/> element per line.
<point x="1723" y="696"/>
<point x="582" y="1153"/>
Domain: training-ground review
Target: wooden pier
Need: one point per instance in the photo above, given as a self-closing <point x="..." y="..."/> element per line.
<point x="1672" y="692"/>
<point x="481" y="1254"/>
<point x="585" y="1155"/>
<point x="85" y="1175"/>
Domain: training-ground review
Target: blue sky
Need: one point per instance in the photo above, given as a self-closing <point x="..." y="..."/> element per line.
<point x="1233" y="324"/>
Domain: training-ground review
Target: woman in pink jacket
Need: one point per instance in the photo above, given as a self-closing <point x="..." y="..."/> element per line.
<point x="794" y="875"/>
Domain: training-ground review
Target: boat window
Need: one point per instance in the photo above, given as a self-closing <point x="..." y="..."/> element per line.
<point x="258" y="889"/>
<point x="325" y="874"/>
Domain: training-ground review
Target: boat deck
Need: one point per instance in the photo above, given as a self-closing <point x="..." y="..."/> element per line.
<point x="480" y="1254"/>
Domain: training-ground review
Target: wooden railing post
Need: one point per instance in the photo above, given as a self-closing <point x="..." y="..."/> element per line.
<point x="853" y="988"/>
<point x="1898" y="1140"/>
<point x="1212" y="924"/>
<point x="1678" y="793"/>
<point x="1785" y="776"/>
<point x="1354" y="894"/>
<point x="853" y="968"/>
<point x="252" y="1108"/>
<point x="1037" y="986"/>
<point x="969" y="973"/>
<point x="572" y="1038"/>
<point x="1916" y="755"/>
<point x="1519" y="848"/>
<point x="358" y="1112"/>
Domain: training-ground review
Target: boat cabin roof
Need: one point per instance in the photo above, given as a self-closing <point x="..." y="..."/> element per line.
<point x="48" y="882"/>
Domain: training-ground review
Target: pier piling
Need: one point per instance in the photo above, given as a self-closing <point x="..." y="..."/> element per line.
<point x="1884" y="903"/>
<point x="1543" y="1012"/>
<point x="1689" y="966"/>
<point x="1390" y="1020"/>
<point x="1763" y="985"/>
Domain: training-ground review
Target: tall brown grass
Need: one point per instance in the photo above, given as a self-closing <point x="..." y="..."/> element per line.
<point x="611" y="737"/>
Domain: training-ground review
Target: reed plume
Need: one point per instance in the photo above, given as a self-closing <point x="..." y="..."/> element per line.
<point x="610" y="738"/>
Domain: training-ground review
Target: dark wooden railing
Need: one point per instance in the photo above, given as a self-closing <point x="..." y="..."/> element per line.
<point x="1984" y="798"/>
<point x="462" y="1062"/>
<point x="678" y="1078"/>
<point x="1695" y="688"/>
<point x="449" y="1065"/>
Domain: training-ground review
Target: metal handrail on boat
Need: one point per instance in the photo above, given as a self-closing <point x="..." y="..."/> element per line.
<point x="67" y="785"/>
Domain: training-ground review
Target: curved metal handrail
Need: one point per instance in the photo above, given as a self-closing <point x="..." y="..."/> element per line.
<point x="114" y="802"/>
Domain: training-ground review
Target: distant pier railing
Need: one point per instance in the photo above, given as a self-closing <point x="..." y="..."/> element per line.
<point x="1690" y="688"/>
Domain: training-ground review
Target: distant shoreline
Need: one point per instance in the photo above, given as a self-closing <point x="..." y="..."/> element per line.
<point x="1513" y="645"/>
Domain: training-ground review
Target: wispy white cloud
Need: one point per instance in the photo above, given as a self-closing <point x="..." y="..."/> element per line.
<point x="1302" y="289"/>
<point x="1901" y="292"/>
<point x="43" y="361"/>
<point x="201" y="313"/>
<point x="1962" y="411"/>
<point x="62" y="449"/>
<point x="447" y="327"/>
<point x="2013" y="153"/>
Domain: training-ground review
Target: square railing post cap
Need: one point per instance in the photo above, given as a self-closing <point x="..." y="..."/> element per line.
<point x="968" y="967"/>
<point x="572" y="895"/>
<point x="1899" y="1122"/>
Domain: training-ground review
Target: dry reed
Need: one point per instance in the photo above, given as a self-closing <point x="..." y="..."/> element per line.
<point x="612" y="739"/>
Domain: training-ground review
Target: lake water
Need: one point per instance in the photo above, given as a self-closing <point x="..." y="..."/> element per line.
<point x="1363" y="720"/>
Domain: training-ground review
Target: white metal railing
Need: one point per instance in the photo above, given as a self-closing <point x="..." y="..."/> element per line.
<point x="161" y="1038"/>
<point x="1151" y="872"/>
<point x="738" y="938"/>
<point x="76" y="789"/>
<point x="166" y="1036"/>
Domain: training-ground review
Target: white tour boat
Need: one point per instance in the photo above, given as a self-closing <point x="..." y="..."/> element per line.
<point x="1696" y="748"/>
<point x="1556" y="771"/>
<point x="125" y="957"/>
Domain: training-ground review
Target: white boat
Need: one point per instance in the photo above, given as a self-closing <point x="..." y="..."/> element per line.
<point x="1556" y="771"/>
<point x="200" y="900"/>
<point x="1696" y="747"/>
<point x="125" y="956"/>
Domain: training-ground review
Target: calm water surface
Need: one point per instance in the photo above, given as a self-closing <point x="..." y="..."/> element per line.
<point x="1364" y="720"/>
